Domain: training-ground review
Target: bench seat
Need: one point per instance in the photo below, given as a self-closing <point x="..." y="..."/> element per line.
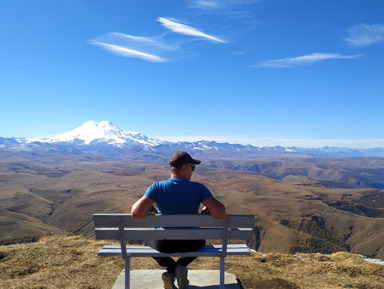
<point x="145" y="251"/>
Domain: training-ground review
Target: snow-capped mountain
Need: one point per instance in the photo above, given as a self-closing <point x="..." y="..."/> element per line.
<point x="106" y="139"/>
<point x="104" y="132"/>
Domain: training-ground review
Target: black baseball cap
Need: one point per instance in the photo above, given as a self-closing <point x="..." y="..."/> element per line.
<point x="182" y="158"/>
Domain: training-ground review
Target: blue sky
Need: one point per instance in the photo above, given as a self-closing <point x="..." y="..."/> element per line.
<point x="262" y="72"/>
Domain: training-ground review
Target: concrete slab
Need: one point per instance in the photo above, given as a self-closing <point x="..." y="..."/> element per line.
<point x="151" y="279"/>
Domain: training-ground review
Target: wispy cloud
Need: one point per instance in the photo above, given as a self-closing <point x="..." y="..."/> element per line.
<point x="204" y="4"/>
<point x="303" y="60"/>
<point x="177" y="27"/>
<point x="127" y="52"/>
<point x="140" y="40"/>
<point x="219" y="4"/>
<point x="147" y="48"/>
<point x="237" y="52"/>
<point x="364" y="35"/>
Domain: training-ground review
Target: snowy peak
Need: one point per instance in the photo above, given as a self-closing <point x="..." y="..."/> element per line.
<point x="102" y="132"/>
<point x="91" y="131"/>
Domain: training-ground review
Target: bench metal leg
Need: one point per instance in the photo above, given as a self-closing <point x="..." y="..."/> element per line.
<point x="127" y="272"/>
<point x="222" y="271"/>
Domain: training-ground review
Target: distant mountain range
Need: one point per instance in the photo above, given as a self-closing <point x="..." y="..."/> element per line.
<point x="106" y="139"/>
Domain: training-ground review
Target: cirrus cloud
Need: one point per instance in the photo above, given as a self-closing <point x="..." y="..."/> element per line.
<point x="127" y="52"/>
<point x="303" y="60"/>
<point x="149" y="48"/>
<point x="219" y="4"/>
<point x="177" y="27"/>
<point x="365" y="35"/>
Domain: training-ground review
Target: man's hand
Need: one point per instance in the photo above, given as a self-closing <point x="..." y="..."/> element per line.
<point x="152" y="210"/>
<point x="205" y="211"/>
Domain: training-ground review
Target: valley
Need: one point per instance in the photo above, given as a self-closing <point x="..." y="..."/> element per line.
<point x="43" y="194"/>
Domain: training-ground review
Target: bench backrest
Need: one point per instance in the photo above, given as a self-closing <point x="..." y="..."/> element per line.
<point x="123" y="227"/>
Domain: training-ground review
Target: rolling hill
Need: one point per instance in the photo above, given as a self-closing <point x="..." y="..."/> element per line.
<point x="302" y="202"/>
<point x="41" y="196"/>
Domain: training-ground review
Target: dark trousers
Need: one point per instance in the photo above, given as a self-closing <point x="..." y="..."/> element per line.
<point x="175" y="246"/>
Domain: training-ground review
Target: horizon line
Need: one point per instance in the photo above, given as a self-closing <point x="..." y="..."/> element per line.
<point x="283" y="142"/>
<point x="369" y="143"/>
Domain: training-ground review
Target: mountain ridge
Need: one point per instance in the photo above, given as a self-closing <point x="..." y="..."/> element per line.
<point x="341" y="167"/>
<point x="101" y="137"/>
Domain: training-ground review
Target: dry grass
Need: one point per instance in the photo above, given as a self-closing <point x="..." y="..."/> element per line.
<point x="339" y="270"/>
<point x="72" y="262"/>
<point x="57" y="262"/>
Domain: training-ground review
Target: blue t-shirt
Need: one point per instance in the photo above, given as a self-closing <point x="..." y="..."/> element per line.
<point x="178" y="196"/>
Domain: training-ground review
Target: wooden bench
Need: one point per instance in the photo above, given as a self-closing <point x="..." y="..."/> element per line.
<point x="123" y="227"/>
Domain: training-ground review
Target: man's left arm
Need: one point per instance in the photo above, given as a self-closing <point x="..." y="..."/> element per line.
<point x="214" y="208"/>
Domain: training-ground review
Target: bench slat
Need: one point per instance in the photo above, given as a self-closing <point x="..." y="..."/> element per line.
<point x="172" y="234"/>
<point x="110" y="220"/>
<point x="145" y="251"/>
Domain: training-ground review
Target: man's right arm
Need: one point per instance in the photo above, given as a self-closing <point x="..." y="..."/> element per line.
<point x="141" y="208"/>
<point x="215" y="208"/>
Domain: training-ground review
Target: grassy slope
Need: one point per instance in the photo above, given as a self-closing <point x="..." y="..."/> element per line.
<point x="296" y="215"/>
<point x="72" y="262"/>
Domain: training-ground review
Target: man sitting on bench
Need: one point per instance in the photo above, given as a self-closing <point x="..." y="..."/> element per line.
<point x="178" y="195"/>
